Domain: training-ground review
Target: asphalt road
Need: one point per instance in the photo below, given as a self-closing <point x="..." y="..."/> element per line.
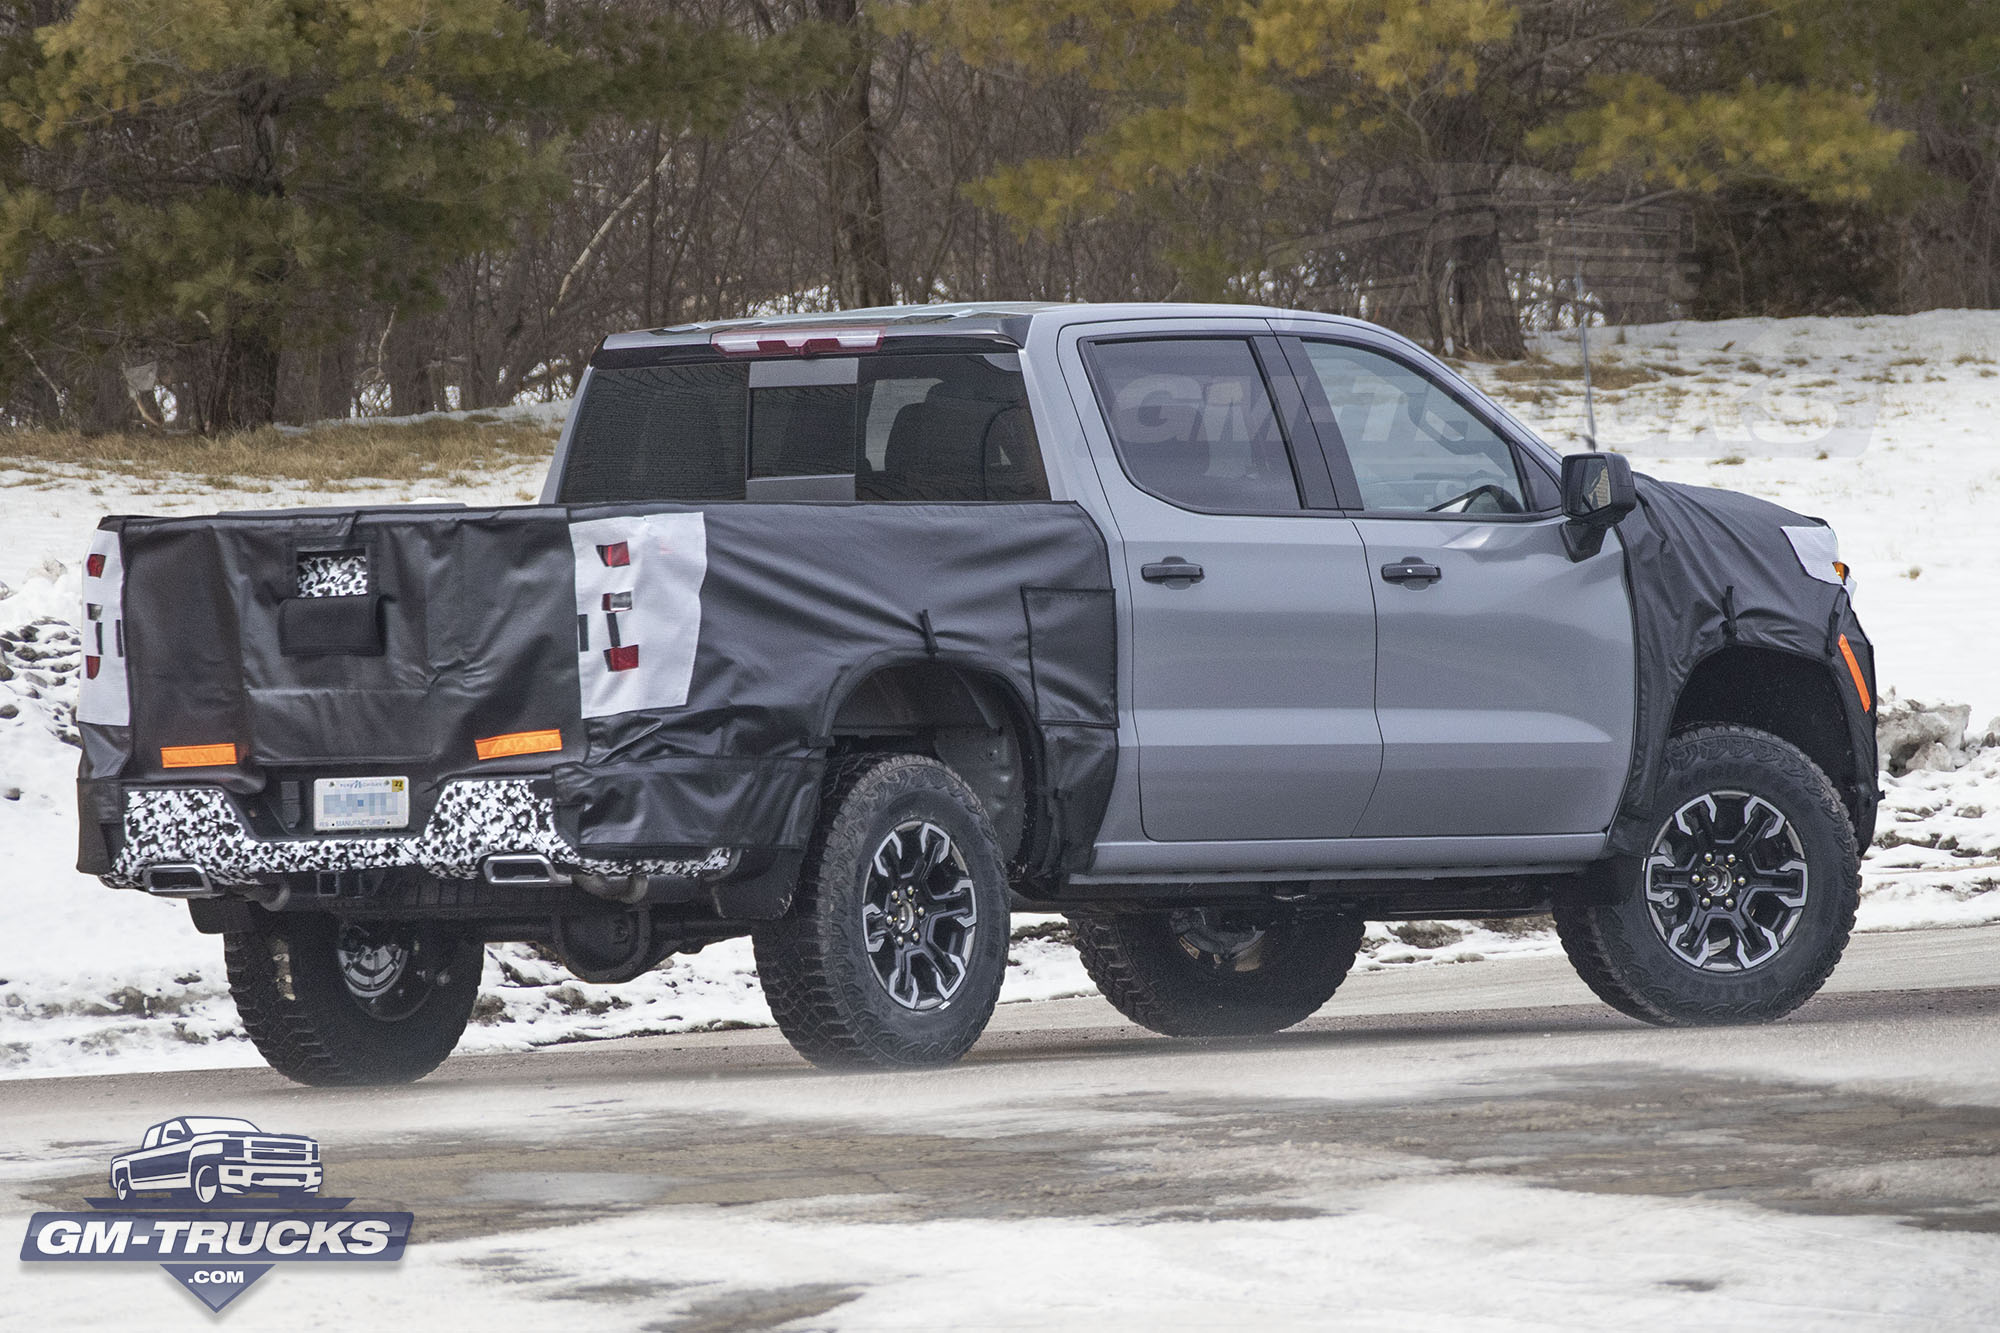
<point x="1878" y="1101"/>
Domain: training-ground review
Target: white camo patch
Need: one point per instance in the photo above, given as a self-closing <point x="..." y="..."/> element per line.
<point x="638" y="605"/>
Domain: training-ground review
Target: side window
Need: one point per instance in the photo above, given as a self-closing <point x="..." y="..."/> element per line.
<point x="948" y="427"/>
<point x="1414" y="447"/>
<point x="1193" y="423"/>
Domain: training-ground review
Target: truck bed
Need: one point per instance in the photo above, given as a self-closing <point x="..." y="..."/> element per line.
<point x="630" y="689"/>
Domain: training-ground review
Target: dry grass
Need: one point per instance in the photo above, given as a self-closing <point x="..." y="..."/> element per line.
<point x="1606" y="376"/>
<point x="324" y="457"/>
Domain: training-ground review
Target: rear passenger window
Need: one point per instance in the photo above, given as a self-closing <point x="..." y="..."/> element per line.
<point x="939" y="426"/>
<point x="1192" y="421"/>
<point x="947" y="427"/>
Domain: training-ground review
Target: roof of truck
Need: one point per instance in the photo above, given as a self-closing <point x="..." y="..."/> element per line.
<point x="974" y="318"/>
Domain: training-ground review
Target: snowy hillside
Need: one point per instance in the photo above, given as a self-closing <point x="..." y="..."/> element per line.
<point x="1881" y="426"/>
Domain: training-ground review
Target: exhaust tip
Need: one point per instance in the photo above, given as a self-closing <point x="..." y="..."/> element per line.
<point x="529" y="869"/>
<point x="178" y="880"/>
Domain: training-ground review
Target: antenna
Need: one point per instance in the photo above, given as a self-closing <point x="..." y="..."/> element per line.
<point x="1583" y="341"/>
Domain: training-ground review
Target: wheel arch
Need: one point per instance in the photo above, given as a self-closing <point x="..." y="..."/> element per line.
<point x="964" y="712"/>
<point x="1793" y="697"/>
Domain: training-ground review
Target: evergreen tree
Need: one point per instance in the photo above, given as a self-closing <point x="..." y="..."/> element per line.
<point x="1437" y="97"/>
<point x="213" y="177"/>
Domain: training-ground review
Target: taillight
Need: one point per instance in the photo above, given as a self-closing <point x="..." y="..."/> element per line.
<point x="795" y="342"/>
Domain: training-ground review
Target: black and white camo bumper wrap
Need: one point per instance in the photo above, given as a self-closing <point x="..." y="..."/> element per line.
<point x="473" y="819"/>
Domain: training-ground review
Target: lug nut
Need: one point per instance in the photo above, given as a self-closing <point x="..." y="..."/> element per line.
<point x="1729" y="902"/>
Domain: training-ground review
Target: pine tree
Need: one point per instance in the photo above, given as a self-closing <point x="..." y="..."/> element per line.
<point x="212" y="177"/>
<point x="1428" y="102"/>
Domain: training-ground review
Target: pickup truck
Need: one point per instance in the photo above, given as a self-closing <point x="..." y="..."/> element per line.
<point x="209" y="1156"/>
<point x="1223" y="630"/>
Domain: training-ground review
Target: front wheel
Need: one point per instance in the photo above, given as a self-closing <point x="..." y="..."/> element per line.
<point x="896" y="945"/>
<point x="328" y="1001"/>
<point x="1745" y="899"/>
<point x="1210" y="972"/>
<point x="207" y="1184"/>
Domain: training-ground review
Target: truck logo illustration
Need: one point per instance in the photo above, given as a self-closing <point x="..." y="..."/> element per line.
<point x="207" y="1157"/>
<point x="179" y="1203"/>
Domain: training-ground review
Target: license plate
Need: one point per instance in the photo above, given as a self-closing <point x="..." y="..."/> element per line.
<point x="355" y="803"/>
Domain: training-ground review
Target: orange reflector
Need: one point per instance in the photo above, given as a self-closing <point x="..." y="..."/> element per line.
<point x="518" y="742"/>
<point x="197" y="756"/>
<point x="1854" y="670"/>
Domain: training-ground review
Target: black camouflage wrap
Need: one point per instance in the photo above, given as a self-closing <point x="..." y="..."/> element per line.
<point x="1710" y="569"/>
<point x="258" y="630"/>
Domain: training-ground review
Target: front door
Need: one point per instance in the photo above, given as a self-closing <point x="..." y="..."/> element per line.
<point x="1252" y="618"/>
<point x="1503" y="670"/>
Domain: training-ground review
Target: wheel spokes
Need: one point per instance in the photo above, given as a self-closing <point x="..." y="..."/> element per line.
<point x="918" y="915"/>
<point x="1726" y="882"/>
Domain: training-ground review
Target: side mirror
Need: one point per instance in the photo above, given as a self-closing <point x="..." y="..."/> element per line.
<point x="1597" y="494"/>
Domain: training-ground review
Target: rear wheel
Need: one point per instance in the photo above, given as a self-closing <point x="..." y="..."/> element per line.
<point x="896" y="944"/>
<point x="1209" y="972"/>
<point x="342" y="1002"/>
<point x="1744" y="902"/>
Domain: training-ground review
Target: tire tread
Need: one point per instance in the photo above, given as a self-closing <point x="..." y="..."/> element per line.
<point x="1581" y="925"/>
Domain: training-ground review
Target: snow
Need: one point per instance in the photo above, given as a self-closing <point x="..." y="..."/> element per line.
<point x="1880" y="425"/>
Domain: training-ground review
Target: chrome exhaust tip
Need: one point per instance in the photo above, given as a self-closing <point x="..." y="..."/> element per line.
<point x="521" y="870"/>
<point x="178" y="880"/>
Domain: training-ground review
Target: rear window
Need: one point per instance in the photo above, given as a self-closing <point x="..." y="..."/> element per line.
<point x="950" y="426"/>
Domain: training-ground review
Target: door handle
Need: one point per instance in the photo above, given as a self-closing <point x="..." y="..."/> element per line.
<point x="1173" y="571"/>
<point x="1411" y="570"/>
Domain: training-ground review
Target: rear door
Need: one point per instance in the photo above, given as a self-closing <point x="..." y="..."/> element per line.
<point x="1504" y="672"/>
<point x="1252" y="617"/>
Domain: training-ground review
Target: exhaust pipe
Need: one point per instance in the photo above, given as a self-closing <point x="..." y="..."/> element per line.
<point x="178" y="880"/>
<point x="627" y="889"/>
<point x="533" y="870"/>
<point x="521" y="870"/>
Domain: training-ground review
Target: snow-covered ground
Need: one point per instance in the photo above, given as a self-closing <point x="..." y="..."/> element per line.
<point x="1879" y="425"/>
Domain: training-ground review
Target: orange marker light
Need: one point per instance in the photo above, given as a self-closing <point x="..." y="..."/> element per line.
<point x="1854" y="670"/>
<point x="197" y="756"/>
<point x="518" y="742"/>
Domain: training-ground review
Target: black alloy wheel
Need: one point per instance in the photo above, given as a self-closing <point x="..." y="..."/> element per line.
<point x="1745" y="899"/>
<point x="919" y="915"/>
<point x="1727" y="882"/>
<point x="896" y="943"/>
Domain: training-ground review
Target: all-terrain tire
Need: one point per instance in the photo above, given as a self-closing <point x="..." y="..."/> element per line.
<point x="1153" y="975"/>
<point x="1622" y="954"/>
<point x="819" y="974"/>
<point x="313" y="1028"/>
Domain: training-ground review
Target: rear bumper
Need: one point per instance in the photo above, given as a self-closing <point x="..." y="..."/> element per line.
<point x="473" y="819"/>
